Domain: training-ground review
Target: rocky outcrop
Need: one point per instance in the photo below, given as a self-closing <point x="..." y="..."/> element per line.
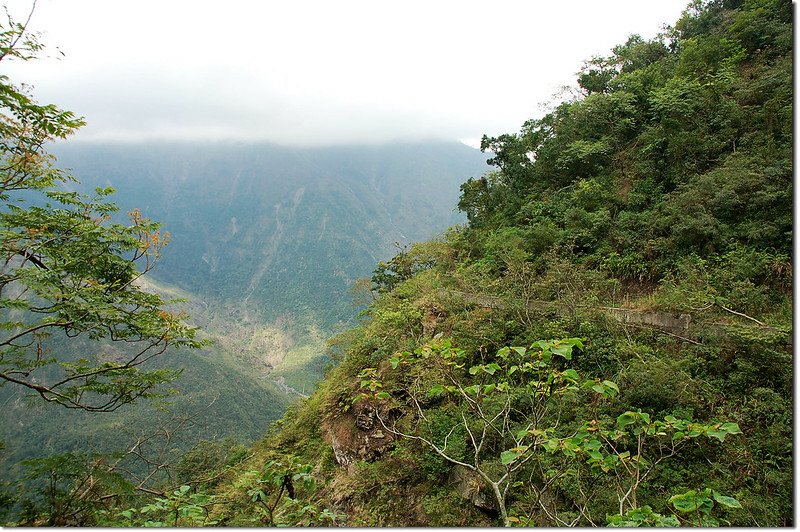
<point x="358" y="434"/>
<point x="433" y="315"/>
<point x="469" y="485"/>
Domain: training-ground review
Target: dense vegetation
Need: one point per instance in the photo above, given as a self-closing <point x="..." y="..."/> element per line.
<point x="265" y="243"/>
<point x="647" y="225"/>
<point x="280" y="231"/>
<point x="606" y="342"/>
<point x="267" y="288"/>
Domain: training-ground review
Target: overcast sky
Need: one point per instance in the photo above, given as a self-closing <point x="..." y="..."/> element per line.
<point x="319" y="72"/>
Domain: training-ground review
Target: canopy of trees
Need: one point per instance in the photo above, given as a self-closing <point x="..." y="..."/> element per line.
<point x="647" y="224"/>
<point x="68" y="273"/>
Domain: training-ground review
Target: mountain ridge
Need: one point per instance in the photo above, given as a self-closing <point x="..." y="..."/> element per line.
<point x="257" y="193"/>
<point x="226" y="243"/>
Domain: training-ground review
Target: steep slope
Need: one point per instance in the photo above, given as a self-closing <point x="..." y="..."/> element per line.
<point x="266" y="242"/>
<point x="286" y="229"/>
<point x="647" y="227"/>
<point x="273" y="237"/>
<point x="607" y="342"/>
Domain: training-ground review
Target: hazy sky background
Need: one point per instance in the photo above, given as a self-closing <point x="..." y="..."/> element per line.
<point x="319" y="72"/>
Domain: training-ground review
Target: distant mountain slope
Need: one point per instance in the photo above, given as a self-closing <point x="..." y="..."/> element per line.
<point x="286" y="230"/>
<point x="647" y="222"/>
<point x="217" y="397"/>
<point x="266" y="241"/>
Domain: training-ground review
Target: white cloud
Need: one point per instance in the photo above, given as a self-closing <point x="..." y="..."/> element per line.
<point x="320" y="71"/>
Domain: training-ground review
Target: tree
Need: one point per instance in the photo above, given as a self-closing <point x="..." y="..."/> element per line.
<point x="69" y="275"/>
<point x="503" y="423"/>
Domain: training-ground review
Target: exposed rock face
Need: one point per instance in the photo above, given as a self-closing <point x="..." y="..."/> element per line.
<point x="433" y="316"/>
<point x="365" y="419"/>
<point x="469" y="485"/>
<point x="341" y="454"/>
<point x="358" y="434"/>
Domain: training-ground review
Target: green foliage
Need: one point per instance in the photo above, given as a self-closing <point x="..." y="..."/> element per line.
<point x="67" y="490"/>
<point x="406" y="264"/>
<point x="446" y="509"/>
<point x="643" y="517"/>
<point x="180" y="507"/>
<point x="70" y="272"/>
<point x="204" y="463"/>
<point x="651" y="215"/>
<point x="439" y="426"/>
<point x="695" y="507"/>
<point x="279" y="491"/>
<point x="498" y="422"/>
<point x="658" y="118"/>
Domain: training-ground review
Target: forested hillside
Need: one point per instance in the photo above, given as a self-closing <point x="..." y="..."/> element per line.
<point x="265" y="243"/>
<point x="284" y="231"/>
<point x="204" y="407"/>
<point x="607" y="341"/>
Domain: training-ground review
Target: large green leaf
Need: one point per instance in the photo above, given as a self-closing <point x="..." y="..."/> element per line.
<point x="724" y="500"/>
<point x="686" y="502"/>
<point x="723" y="430"/>
<point x="507" y="457"/>
<point x="436" y="390"/>
<point x="628" y="418"/>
